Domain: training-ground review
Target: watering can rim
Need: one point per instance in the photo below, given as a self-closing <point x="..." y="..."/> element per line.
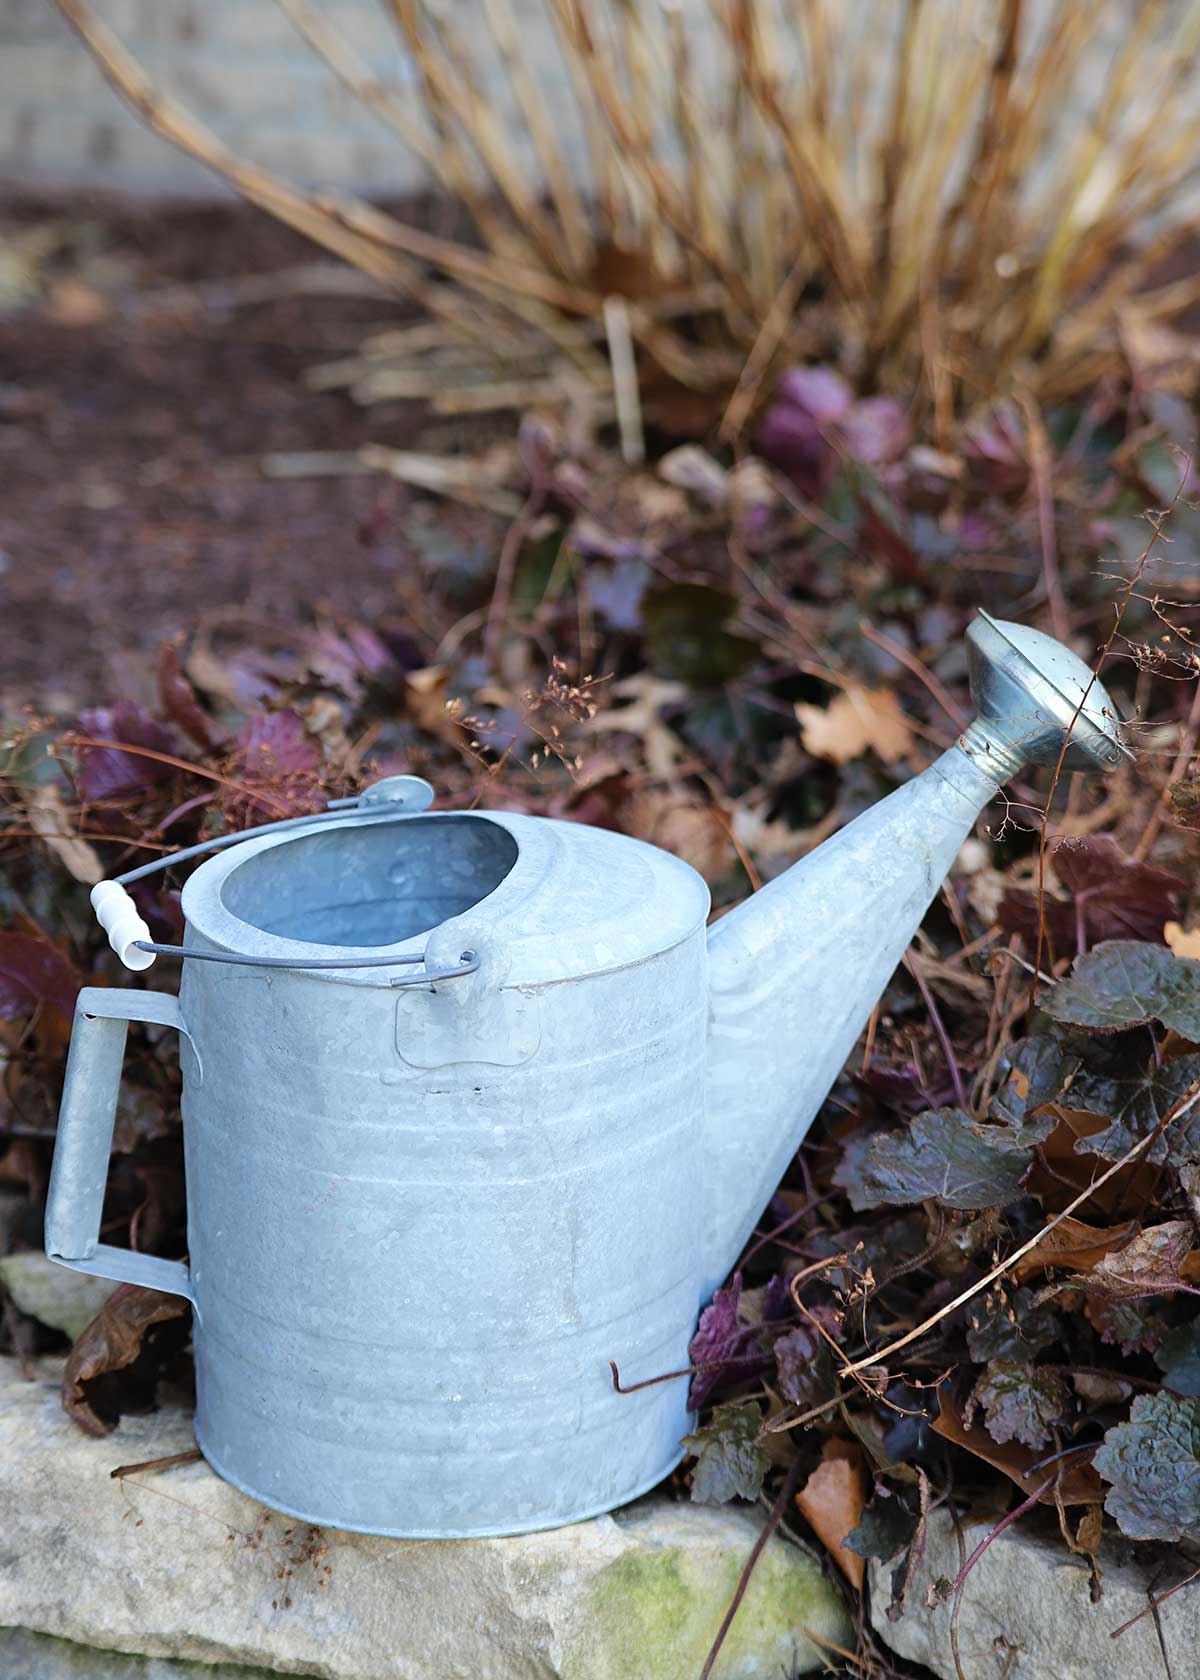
<point x="516" y="916"/>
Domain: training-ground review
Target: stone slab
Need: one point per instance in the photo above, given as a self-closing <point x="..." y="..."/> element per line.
<point x="54" y="1295"/>
<point x="35" y="1656"/>
<point x="1027" y="1612"/>
<point x="178" y="1565"/>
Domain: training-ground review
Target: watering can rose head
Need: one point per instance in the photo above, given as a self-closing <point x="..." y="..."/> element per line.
<point x="476" y="1102"/>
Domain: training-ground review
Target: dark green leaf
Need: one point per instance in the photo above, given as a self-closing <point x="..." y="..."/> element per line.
<point x="1125" y="983"/>
<point x="1012" y="1327"/>
<point x="943" y="1154"/>
<point x="729" y="1465"/>
<point x="1133" y="1326"/>
<point x="1153" y="1463"/>
<point x="684" y="628"/>
<point x="1179" y="1358"/>
<point x="1135" y="1101"/>
<point x="888" y="1525"/>
<point x="1038" y="1068"/>
<point x="1020" y="1401"/>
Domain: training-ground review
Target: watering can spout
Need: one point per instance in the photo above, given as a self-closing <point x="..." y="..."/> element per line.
<point x="795" y="971"/>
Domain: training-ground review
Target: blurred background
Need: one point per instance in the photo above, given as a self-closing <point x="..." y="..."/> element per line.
<point x="617" y="411"/>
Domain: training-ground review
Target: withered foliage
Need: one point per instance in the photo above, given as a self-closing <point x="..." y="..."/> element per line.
<point x="732" y="655"/>
<point x="947" y="197"/>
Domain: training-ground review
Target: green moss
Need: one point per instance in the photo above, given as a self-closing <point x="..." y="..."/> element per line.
<point x="655" y="1611"/>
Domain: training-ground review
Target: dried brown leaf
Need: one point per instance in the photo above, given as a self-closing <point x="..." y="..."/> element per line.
<point x="1184" y="942"/>
<point x="111" y="1342"/>
<point x="50" y="820"/>
<point x="1079" y="1486"/>
<point x="854" y="721"/>
<point x="1075" y="1244"/>
<point x="832" y="1501"/>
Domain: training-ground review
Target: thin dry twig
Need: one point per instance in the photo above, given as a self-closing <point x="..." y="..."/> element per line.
<point x="1184" y="1106"/>
<point x="1157" y="522"/>
<point x="773" y="1521"/>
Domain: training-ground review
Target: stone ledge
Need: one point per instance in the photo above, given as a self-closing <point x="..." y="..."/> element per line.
<point x="36" y="1656"/>
<point x="181" y="1567"/>
<point x="1027" y="1612"/>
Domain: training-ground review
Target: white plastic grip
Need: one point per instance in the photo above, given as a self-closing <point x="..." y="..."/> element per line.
<point x="118" y="916"/>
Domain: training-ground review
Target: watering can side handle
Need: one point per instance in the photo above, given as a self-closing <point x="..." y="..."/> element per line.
<point x="84" y="1142"/>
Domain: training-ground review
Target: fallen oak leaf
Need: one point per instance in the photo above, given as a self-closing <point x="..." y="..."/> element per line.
<point x="112" y="1341"/>
<point x="832" y="1503"/>
<point x="855" y="719"/>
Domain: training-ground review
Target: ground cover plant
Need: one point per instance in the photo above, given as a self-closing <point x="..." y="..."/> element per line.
<point x="730" y="655"/>
<point x="975" y="1284"/>
<point x="935" y="195"/>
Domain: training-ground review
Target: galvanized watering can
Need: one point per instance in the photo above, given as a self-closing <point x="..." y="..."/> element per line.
<point x="475" y="1103"/>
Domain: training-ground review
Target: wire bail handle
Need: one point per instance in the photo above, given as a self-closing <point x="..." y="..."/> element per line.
<point x="129" y="935"/>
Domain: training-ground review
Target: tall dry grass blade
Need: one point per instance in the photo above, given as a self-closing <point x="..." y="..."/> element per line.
<point x="952" y="197"/>
<point x="258" y="185"/>
<point x="572" y="213"/>
<point x="626" y="396"/>
<point x="453" y="94"/>
<point x="446" y="161"/>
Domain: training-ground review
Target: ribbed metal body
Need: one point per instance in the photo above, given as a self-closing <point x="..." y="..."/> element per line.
<point x="410" y="1279"/>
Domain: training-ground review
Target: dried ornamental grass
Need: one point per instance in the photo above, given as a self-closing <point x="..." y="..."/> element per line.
<point x="946" y="194"/>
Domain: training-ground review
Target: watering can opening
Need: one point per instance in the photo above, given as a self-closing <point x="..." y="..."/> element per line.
<point x="367" y="886"/>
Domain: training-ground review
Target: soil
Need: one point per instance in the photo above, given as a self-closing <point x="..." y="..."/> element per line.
<point x="139" y="392"/>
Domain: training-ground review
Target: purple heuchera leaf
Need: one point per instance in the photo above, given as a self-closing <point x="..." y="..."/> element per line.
<point x="107" y="772"/>
<point x="348" y="657"/>
<point x="1113" y="896"/>
<point x="34" y="973"/>
<point x="721" y="1341"/>
<point x="876" y="431"/>
<point x="277" y="754"/>
<point x="996" y="452"/>
<point x="820" y="392"/>
<point x="792" y="433"/>
<point x="798" y="1365"/>
<point x="791" y="440"/>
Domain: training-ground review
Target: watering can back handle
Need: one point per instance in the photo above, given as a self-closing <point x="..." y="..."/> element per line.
<point x="86" y="1116"/>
